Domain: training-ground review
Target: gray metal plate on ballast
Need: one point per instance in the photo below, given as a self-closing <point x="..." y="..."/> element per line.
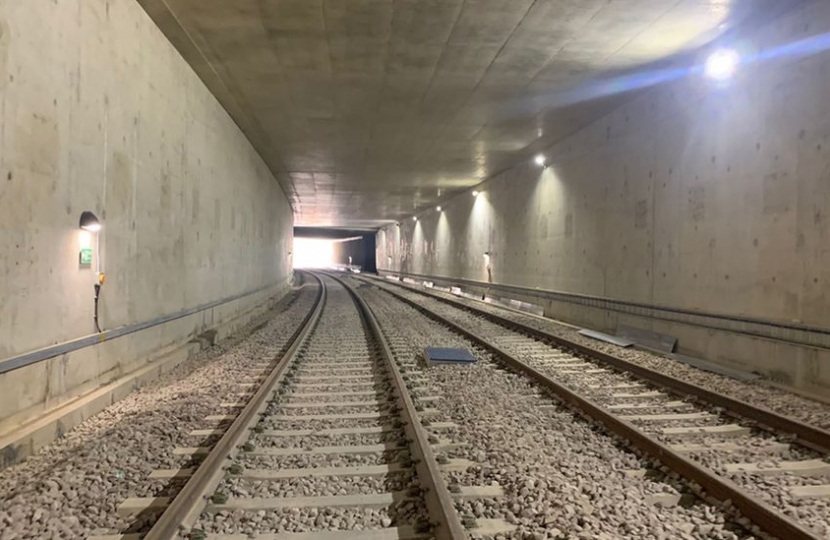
<point x="442" y="355"/>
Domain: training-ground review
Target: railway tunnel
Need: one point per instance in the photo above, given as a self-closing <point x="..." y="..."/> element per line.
<point x="409" y="269"/>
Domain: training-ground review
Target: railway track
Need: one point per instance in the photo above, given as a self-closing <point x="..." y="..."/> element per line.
<point x="774" y="470"/>
<point x="330" y="446"/>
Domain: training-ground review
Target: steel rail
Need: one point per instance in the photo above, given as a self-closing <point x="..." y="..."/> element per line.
<point x="439" y="503"/>
<point x="715" y="486"/>
<point x="806" y="434"/>
<point x="185" y="508"/>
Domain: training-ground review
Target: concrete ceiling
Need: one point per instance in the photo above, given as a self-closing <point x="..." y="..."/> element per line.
<point x="369" y="110"/>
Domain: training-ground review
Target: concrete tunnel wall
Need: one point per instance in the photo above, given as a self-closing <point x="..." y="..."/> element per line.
<point x="689" y="196"/>
<point x="362" y="252"/>
<point x="99" y="112"/>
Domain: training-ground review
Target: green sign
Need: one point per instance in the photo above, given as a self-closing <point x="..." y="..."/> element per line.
<point x="86" y="256"/>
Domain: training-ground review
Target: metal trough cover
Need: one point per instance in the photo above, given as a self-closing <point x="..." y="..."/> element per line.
<point x="441" y="355"/>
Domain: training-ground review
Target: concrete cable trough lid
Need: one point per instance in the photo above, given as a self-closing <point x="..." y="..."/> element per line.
<point x="439" y="355"/>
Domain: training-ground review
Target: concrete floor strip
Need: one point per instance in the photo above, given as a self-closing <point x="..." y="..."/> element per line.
<point x="137" y="505"/>
<point x="336" y="365"/>
<point x="810" y="467"/>
<point x="663" y="499"/>
<point x="335" y="394"/>
<point x="371" y="430"/>
<point x="810" y="492"/>
<point x="492" y="527"/>
<point x="220" y="417"/>
<point x="772" y="448"/>
<point x="368" y="500"/>
<point x="479" y="492"/>
<point x="343" y="416"/>
<point x="321" y="405"/>
<point x="335" y="378"/>
<point x="457" y="465"/>
<point x="629" y="395"/>
<point x="171" y="473"/>
<point x="326" y="450"/>
<point x="621" y="386"/>
<point x="394" y="533"/>
<point x="445" y="445"/>
<point x="727" y="430"/>
<point x="658" y="405"/>
<point x="311" y="472"/>
<point x="438" y="426"/>
<point x="191" y="451"/>
<point x="206" y="432"/>
<point x="341" y="384"/>
<point x="667" y="417"/>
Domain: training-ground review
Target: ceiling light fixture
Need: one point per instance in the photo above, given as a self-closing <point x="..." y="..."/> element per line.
<point x="475" y="193"/>
<point x="722" y="64"/>
<point x="540" y="160"/>
<point x="437" y="208"/>
<point x="414" y="218"/>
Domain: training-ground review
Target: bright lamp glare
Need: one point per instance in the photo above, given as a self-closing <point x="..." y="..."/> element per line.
<point x="313" y="253"/>
<point x="85" y="240"/>
<point x="540" y="160"/>
<point x="475" y="193"/>
<point x="414" y="218"/>
<point x="437" y="208"/>
<point x="722" y="64"/>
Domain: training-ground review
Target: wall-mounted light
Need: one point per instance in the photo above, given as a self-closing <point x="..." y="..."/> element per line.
<point x="722" y="64"/>
<point x="437" y="208"/>
<point x="540" y="160"/>
<point x="89" y="222"/>
<point x="414" y="218"/>
<point x="475" y="193"/>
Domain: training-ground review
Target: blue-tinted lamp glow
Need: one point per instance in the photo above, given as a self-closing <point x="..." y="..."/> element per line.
<point x="721" y="64"/>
